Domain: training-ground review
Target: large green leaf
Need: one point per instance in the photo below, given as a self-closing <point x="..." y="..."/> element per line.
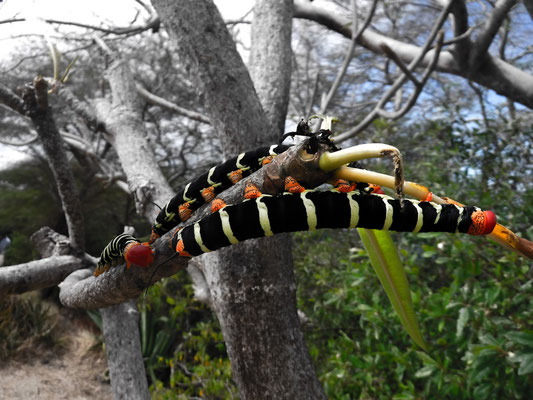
<point x="386" y="262"/>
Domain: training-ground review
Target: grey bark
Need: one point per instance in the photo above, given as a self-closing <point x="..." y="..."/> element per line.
<point x="271" y="58"/>
<point x="122" y="118"/>
<point x="38" y="274"/>
<point x="208" y="54"/>
<point x="252" y="284"/>
<point x="36" y="105"/>
<point x="124" y="358"/>
<point x="494" y="73"/>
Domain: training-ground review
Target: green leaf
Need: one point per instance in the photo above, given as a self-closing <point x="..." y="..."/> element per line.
<point x="522" y="337"/>
<point x="462" y="320"/>
<point x="389" y="269"/>
<point x="426" y="371"/>
<point x="426" y="359"/>
<point x="526" y="365"/>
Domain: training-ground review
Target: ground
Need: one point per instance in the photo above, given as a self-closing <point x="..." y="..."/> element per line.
<point x="74" y="369"/>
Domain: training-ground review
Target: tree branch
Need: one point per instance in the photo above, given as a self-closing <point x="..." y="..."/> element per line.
<point x="36" y="103"/>
<point x="33" y="275"/>
<point x="270" y="58"/>
<point x="356" y="34"/>
<point x="11" y="100"/>
<point x="122" y="120"/>
<point x="163" y="103"/>
<point x="495" y="74"/>
<point x="490" y="29"/>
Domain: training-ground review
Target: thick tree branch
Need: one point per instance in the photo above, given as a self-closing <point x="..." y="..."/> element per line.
<point x="38" y="274"/>
<point x="221" y="77"/>
<point x="126" y="368"/>
<point x="489" y="31"/>
<point x="36" y="103"/>
<point x="122" y="120"/>
<point x="271" y="56"/>
<point x="495" y="74"/>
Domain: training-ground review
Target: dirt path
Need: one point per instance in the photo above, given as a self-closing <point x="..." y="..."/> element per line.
<point x="77" y="372"/>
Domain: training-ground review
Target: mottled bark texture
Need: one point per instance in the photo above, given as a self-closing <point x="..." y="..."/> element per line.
<point x="208" y="55"/>
<point x="251" y="284"/>
<point x="123" y="121"/>
<point x="126" y="368"/>
<point x="36" y="105"/>
<point x="37" y="274"/>
<point x="271" y="58"/>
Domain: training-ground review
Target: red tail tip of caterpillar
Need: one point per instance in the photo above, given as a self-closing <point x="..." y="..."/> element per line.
<point x="139" y="254"/>
<point x="483" y="223"/>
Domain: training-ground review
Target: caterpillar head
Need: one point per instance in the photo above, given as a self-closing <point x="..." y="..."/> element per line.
<point x="140" y="254"/>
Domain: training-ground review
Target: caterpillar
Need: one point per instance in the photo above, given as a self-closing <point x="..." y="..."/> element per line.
<point x="205" y="188"/>
<point x="124" y="247"/>
<point x="310" y="210"/>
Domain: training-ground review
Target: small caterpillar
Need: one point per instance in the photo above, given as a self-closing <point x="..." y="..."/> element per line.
<point x="124" y="247"/>
<point x="310" y="210"/>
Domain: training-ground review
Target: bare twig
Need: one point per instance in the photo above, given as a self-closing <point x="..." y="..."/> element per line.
<point x="152" y="24"/>
<point x="426" y="48"/>
<point x="11" y="100"/>
<point x="159" y="101"/>
<point x="356" y="34"/>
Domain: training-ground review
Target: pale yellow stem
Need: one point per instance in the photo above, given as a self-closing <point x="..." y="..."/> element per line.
<point x="330" y="161"/>
<point x="501" y="235"/>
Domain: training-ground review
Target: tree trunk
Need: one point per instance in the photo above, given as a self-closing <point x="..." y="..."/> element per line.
<point x="252" y="284"/>
<point x="122" y="347"/>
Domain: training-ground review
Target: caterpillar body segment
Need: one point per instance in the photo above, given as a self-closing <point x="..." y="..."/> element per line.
<point x="208" y="185"/>
<point x="310" y="210"/>
<point x="124" y="247"/>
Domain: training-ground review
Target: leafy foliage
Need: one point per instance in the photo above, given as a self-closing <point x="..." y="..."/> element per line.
<point x="25" y="325"/>
<point x="183" y="347"/>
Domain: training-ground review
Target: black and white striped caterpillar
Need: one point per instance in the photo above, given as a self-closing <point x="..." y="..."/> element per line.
<point x="124" y="247"/>
<point x="310" y="210"/>
<point x="204" y="188"/>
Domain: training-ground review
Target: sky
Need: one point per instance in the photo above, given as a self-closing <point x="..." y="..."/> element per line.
<point x="113" y="12"/>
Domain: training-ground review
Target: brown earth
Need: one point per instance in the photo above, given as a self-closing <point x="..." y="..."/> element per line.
<point x="74" y="369"/>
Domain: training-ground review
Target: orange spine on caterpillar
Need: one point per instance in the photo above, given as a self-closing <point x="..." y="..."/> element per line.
<point x="217" y="204"/>
<point x="208" y="185"/>
<point x="292" y="185"/>
<point x="251" y="191"/>
<point x="310" y="210"/>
